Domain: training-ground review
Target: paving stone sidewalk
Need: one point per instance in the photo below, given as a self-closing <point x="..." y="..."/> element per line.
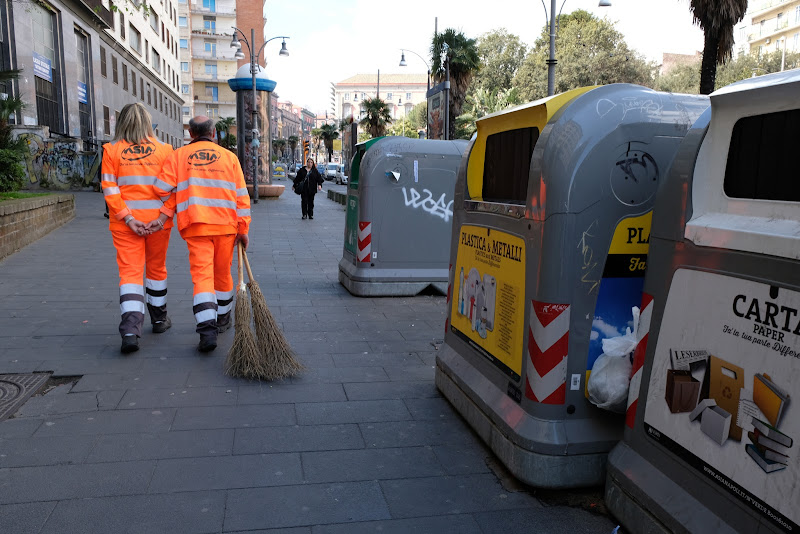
<point x="162" y="441"/>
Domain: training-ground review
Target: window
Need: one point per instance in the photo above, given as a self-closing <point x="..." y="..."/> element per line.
<point x="106" y="120"/>
<point x="133" y="82"/>
<point x="122" y="25"/>
<point x="46" y="45"/>
<point x="185" y="66"/>
<point x="797" y="14"/>
<point x="761" y="160"/>
<point x="795" y="41"/>
<point x="103" y="67"/>
<point x="212" y="111"/>
<point x="355" y="96"/>
<point x="408" y="97"/>
<point x="183" y="22"/>
<point x="210" y="47"/>
<point x="149" y="100"/>
<point x="210" y="5"/>
<point x="388" y="96"/>
<point x="211" y="68"/>
<point x="186" y="110"/>
<point x="84" y="86"/>
<point x="212" y="93"/>
<point x="185" y="89"/>
<point x="125" y="76"/>
<point x="506" y="165"/>
<point x="184" y="43"/>
<point x="154" y="21"/>
<point x="778" y="21"/>
<point x="182" y="1"/>
<point x="141" y="87"/>
<point x="210" y="24"/>
<point x="347" y="96"/>
<point x="156" y="63"/>
<point x="114" y="71"/>
<point x="163" y="34"/>
<point x="135" y="40"/>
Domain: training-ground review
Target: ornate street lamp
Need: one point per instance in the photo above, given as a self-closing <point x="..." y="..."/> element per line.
<point x="428" y="79"/>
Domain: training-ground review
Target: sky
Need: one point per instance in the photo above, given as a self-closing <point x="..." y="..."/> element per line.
<point x="331" y="40"/>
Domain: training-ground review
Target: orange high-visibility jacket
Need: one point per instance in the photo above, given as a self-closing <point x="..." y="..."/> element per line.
<point x="210" y="194"/>
<point x="129" y="172"/>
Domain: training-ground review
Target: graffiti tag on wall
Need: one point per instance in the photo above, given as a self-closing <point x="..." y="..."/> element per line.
<point x="59" y="164"/>
<point x="438" y="208"/>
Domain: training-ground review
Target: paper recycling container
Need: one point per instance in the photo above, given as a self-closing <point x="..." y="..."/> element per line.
<point x="399" y="216"/>
<point x="550" y="239"/>
<point x="721" y="303"/>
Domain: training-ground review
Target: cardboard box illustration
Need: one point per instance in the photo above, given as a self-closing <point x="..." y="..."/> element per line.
<point x="716" y="423"/>
<point x="682" y="391"/>
<point x="723" y="382"/>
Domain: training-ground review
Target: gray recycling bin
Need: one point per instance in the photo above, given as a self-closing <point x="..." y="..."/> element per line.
<point x="711" y="427"/>
<point x="399" y="216"/>
<point x="550" y="240"/>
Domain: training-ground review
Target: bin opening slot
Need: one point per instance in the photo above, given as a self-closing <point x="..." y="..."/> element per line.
<point x="761" y="161"/>
<point x="507" y="164"/>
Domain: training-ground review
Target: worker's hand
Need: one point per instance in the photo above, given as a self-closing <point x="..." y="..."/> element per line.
<point x="156" y="224"/>
<point x="138" y="227"/>
<point x="243" y="239"/>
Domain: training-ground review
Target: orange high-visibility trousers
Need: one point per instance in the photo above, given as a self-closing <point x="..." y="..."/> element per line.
<point x="141" y="257"/>
<point x="210" y="259"/>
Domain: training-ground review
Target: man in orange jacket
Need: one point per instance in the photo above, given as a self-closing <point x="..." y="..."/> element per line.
<point x="212" y="210"/>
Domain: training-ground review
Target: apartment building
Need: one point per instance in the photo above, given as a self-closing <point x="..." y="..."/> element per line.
<point x="206" y="58"/>
<point x="774" y="25"/>
<point x="83" y="61"/>
<point x="401" y="91"/>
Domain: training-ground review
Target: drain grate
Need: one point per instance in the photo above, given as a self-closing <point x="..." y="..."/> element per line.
<point x="16" y="389"/>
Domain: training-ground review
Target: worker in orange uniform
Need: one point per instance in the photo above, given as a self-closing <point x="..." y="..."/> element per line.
<point x="213" y="214"/>
<point x="131" y="164"/>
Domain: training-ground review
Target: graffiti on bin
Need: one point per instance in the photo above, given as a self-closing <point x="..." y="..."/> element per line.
<point x="588" y="276"/>
<point x="647" y="107"/>
<point x="438" y="208"/>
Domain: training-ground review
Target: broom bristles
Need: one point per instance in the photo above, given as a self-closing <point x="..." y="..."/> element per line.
<point x="244" y="358"/>
<point x="278" y="358"/>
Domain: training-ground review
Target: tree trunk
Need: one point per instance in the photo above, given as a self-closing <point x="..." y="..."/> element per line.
<point x="708" y="69"/>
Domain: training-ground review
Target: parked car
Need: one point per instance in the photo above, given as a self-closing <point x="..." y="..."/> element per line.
<point x="323" y="170"/>
<point x="293" y="170"/>
<point x="335" y="172"/>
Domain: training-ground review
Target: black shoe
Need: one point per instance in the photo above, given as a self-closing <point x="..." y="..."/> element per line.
<point x="223" y="327"/>
<point x="159" y="327"/>
<point x="304" y="217"/>
<point x="310" y="216"/>
<point x="129" y="344"/>
<point x="207" y="344"/>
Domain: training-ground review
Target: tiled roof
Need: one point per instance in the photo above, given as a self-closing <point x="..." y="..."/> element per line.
<point x="361" y="79"/>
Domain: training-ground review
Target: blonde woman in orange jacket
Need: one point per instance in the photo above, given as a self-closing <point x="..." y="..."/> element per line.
<point x="212" y="210"/>
<point x="131" y="164"/>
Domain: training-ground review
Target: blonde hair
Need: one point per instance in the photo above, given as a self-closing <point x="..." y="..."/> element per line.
<point x="135" y="125"/>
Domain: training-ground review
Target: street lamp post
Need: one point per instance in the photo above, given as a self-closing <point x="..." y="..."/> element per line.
<point x="253" y="71"/>
<point x="551" y="60"/>
<point x="427" y="80"/>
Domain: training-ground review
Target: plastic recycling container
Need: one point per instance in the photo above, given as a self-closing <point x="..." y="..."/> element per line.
<point x="550" y="241"/>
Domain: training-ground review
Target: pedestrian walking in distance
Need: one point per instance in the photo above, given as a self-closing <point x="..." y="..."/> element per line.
<point x="140" y="231"/>
<point x="309" y="181"/>
<point x="212" y="209"/>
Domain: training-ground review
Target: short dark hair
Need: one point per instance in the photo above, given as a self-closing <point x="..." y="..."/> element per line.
<point x="202" y="129"/>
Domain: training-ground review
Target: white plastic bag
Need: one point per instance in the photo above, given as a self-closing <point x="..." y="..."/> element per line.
<point x="611" y="372"/>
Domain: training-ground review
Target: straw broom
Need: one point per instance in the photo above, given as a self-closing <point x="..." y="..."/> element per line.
<point x="278" y="358"/>
<point x="244" y="359"/>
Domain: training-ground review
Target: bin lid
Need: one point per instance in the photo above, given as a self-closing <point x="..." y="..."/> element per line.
<point x="531" y="115"/>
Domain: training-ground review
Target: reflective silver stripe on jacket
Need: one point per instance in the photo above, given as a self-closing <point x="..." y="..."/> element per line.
<point x="243" y="212"/>
<point x="164" y="186"/>
<point x="111" y="190"/>
<point x="206" y="182"/>
<point x="136" y="180"/>
<point x="144" y="204"/>
<point x="109" y="178"/>
<point x="242" y="192"/>
<point x="210" y="202"/>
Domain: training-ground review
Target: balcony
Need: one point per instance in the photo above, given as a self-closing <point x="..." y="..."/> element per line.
<point x="202" y="54"/>
<point x="208" y="100"/>
<point x="208" y="34"/>
<point x="770" y="30"/>
<point x="203" y="77"/>
<point x="220" y="11"/>
<point x="762" y="8"/>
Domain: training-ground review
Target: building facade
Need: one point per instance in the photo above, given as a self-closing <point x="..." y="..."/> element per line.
<point x="207" y="59"/>
<point x="401" y="91"/>
<point x="774" y="25"/>
<point x="82" y="61"/>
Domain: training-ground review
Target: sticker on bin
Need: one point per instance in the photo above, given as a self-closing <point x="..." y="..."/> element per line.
<point x="548" y="346"/>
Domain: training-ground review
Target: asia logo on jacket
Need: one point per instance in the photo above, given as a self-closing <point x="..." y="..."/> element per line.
<point x="137" y="152"/>
<point x="203" y="157"/>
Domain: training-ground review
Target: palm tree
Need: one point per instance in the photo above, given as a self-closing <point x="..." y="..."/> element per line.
<point x="462" y="55"/>
<point x="315" y="137"/>
<point x="224" y="137"/>
<point x="293" y="140"/>
<point x="716" y="18"/>
<point x="277" y="146"/>
<point x="375" y="116"/>
<point x="328" y="132"/>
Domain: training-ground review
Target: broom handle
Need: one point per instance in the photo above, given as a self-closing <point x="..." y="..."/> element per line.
<point x="246" y="264"/>
<point x="241" y="275"/>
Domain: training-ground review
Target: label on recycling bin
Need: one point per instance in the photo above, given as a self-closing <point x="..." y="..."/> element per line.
<point x="488" y="295"/>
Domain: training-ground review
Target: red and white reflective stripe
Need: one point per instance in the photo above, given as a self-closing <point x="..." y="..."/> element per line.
<point x="449" y="285"/>
<point x="638" y="358"/>
<point x="364" y="241"/>
<point x="548" y="346"/>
